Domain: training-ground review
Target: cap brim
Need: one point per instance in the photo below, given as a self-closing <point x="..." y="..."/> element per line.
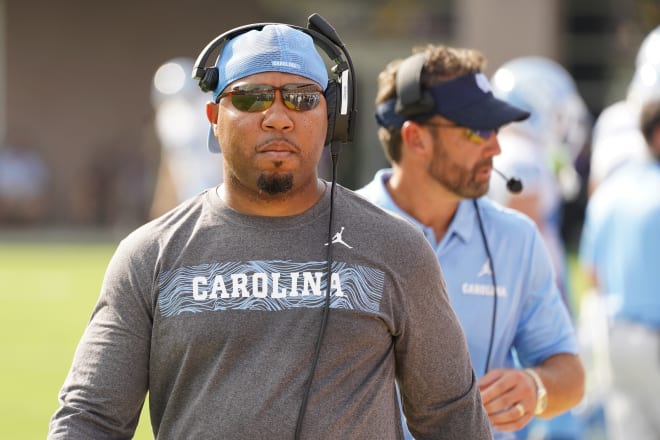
<point x="212" y="142"/>
<point x="487" y="114"/>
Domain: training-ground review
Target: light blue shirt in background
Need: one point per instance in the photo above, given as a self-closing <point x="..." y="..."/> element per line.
<point x="621" y="242"/>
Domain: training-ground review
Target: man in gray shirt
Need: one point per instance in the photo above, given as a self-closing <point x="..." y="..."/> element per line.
<point x="277" y="305"/>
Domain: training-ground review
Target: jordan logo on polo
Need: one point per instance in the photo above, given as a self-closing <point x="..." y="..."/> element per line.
<point x="485" y="269"/>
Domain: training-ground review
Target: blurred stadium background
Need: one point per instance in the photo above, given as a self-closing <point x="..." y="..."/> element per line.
<point x="75" y="76"/>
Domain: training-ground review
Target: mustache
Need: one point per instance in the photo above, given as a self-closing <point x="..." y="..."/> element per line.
<point x="484" y="163"/>
<point x="281" y="143"/>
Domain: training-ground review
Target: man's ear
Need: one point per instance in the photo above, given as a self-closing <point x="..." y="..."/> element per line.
<point x="212" y="112"/>
<point x="415" y="138"/>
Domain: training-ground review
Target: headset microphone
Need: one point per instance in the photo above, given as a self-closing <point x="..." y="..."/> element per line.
<point x="514" y="185"/>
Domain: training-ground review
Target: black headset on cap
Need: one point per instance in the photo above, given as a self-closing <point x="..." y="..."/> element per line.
<point x="340" y="94"/>
<point x="411" y="98"/>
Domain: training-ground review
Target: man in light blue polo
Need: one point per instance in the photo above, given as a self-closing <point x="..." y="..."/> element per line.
<point x="438" y="119"/>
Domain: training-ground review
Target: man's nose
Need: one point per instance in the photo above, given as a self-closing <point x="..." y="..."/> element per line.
<point x="277" y="116"/>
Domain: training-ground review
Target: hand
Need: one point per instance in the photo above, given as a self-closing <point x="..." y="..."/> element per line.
<point x="509" y="397"/>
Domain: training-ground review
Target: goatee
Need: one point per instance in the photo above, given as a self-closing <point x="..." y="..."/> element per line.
<point x="275" y="184"/>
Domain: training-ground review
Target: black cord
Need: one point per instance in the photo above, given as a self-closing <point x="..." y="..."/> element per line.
<point x="492" y="275"/>
<point x="334" y="152"/>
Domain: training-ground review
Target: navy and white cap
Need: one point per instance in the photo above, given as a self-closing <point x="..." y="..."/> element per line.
<point x="274" y="48"/>
<point x="467" y="100"/>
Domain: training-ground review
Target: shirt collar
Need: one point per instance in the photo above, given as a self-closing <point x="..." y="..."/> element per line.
<point x="462" y="225"/>
<point x="465" y="220"/>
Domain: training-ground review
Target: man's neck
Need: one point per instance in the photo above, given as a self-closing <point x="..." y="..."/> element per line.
<point x="424" y="199"/>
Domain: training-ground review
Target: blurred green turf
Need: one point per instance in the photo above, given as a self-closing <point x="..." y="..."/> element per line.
<point x="47" y="291"/>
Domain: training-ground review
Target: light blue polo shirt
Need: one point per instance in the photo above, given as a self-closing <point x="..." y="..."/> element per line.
<point x="532" y="322"/>
<point x="531" y="317"/>
<point x="621" y="241"/>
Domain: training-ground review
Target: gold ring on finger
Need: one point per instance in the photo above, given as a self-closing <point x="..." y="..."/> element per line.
<point x="520" y="408"/>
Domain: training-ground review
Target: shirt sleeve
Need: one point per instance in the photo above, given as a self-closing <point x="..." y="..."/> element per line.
<point x="104" y="391"/>
<point x="437" y="383"/>
<point x="545" y="327"/>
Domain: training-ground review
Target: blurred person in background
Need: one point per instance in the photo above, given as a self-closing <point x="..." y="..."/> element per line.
<point x="616" y="135"/>
<point x="620" y="248"/>
<point x="438" y="121"/>
<point x="24" y="180"/>
<point x="616" y="141"/>
<point x="186" y="166"/>
<point x="542" y="152"/>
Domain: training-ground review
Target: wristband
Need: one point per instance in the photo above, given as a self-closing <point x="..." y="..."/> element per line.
<point x="541" y="392"/>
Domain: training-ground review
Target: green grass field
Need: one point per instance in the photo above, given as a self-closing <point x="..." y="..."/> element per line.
<point x="47" y="291"/>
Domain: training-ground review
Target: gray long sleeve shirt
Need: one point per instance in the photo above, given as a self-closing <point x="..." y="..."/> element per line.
<point x="216" y="314"/>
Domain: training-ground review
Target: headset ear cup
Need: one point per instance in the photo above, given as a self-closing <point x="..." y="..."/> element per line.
<point x="412" y="99"/>
<point x="331" y="98"/>
<point x="209" y="81"/>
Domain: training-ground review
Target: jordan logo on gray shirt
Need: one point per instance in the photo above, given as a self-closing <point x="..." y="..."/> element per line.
<point x="338" y="239"/>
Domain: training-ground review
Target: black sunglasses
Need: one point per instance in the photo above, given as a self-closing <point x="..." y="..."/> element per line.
<point x="258" y="97"/>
